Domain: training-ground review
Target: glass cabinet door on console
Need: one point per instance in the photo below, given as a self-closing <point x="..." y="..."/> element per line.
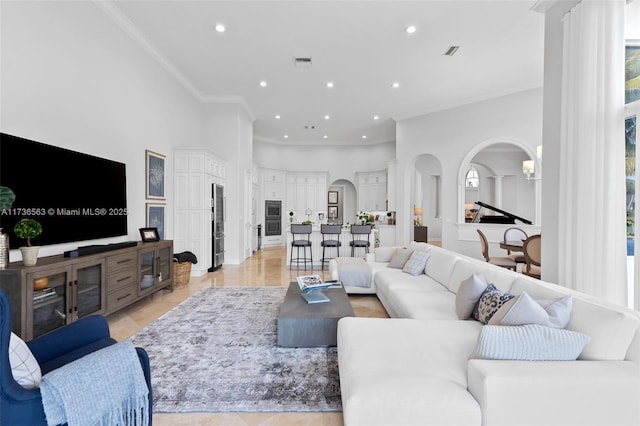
<point x="147" y="278"/>
<point x="48" y="295"/>
<point x="62" y="295"/>
<point x="156" y="266"/>
<point x="89" y="290"/>
<point x="164" y="263"/>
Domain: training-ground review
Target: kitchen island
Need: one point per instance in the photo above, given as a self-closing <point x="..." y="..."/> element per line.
<point x="345" y="239"/>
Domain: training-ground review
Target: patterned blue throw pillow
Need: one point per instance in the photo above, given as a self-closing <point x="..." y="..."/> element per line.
<point x="490" y="301"/>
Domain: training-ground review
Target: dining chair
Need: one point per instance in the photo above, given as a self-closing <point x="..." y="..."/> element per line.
<point x="515" y="235"/>
<point x="532" y="253"/>
<point x="503" y="262"/>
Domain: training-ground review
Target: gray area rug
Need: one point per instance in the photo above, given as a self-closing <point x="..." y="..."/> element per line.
<point x="217" y="352"/>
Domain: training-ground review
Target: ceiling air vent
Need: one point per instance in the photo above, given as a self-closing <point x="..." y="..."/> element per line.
<point x="452" y="50"/>
<point x="302" y="61"/>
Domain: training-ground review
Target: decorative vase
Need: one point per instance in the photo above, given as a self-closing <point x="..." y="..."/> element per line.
<point x="4" y="250"/>
<point x="40" y="283"/>
<point x="29" y="255"/>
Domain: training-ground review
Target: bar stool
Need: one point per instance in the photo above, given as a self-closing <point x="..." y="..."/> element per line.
<point x="301" y="242"/>
<point x="358" y="239"/>
<point x="330" y="242"/>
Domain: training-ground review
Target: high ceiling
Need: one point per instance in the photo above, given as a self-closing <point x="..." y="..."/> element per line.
<point x="360" y="46"/>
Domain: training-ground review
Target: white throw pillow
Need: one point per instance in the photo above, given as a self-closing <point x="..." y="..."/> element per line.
<point x="24" y="367"/>
<point x="416" y="263"/>
<point x="468" y="295"/>
<point x="525" y="310"/>
<point x="530" y="342"/>
<point x="384" y="254"/>
<point x="399" y="258"/>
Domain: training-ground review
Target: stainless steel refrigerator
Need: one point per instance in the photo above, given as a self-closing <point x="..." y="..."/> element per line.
<point x="218" y="217"/>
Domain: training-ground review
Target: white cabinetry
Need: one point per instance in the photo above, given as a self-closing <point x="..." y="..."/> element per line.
<point x="273" y="184"/>
<point x="387" y="235"/>
<point x="372" y="191"/>
<point x="195" y="170"/>
<point x="306" y="191"/>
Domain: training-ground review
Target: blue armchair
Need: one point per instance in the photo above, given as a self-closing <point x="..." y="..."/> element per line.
<point x="19" y="406"/>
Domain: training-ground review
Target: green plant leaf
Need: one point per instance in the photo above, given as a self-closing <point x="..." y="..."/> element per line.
<point x="27" y="229"/>
<point x="7" y="197"/>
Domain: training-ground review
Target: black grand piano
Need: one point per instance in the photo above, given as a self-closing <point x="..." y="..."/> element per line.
<point x="503" y="217"/>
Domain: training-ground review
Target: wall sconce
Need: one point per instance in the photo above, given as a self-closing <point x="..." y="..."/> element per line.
<point x="417" y="213"/>
<point x="528" y="168"/>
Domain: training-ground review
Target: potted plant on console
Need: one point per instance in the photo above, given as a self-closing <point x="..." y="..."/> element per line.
<point x="28" y="229"/>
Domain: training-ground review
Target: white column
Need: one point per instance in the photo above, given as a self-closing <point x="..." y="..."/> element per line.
<point x="497" y="189"/>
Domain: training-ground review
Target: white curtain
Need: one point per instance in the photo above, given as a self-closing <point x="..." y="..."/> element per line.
<point x="592" y="234"/>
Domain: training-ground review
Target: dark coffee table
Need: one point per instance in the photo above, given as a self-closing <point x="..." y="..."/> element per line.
<point x="304" y="325"/>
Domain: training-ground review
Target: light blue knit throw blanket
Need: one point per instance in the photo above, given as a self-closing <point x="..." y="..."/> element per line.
<point x="106" y="387"/>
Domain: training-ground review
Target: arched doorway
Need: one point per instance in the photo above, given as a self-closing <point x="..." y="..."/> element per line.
<point x="501" y="181"/>
<point x="344" y="211"/>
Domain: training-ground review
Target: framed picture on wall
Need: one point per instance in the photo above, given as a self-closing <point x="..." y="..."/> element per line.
<point x="333" y="212"/>
<point x="333" y="197"/>
<point x="155" y="175"/>
<point x="155" y="218"/>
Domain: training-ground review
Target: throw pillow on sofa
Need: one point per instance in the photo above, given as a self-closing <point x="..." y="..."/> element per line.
<point x="532" y="342"/>
<point x="416" y="263"/>
<point x="525" y="310"/>
<point x="490" y="301"/>
<point x="399" y="258"/>
<point x="468" y="295"/>
<point x="24" y="367"/>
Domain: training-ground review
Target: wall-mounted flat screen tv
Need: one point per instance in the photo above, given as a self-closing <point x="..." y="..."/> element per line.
<point x="75" y="196"/>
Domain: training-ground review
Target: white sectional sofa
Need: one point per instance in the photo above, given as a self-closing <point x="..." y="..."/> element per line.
<point x="420" y="367"/>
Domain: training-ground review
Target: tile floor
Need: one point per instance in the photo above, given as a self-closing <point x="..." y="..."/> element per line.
<point x="265" y="268"/>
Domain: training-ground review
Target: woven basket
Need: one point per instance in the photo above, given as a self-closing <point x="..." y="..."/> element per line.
<point x="181" y="273"/>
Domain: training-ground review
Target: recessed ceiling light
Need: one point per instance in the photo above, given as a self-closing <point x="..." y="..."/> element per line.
<point x="263" y="84"/>
<point x="325" y="136"/>
<point x="410" y="29"/>
<point x="277" y="117"/>
<point x="395" y="85"/>
<point x="286" y="136"/>
<point x="220" y="28"/>
<point x="375" y="117"/>
<point x="329" y="84"/>
<point x="364" y="136"/>
<point x="326" y="117"/>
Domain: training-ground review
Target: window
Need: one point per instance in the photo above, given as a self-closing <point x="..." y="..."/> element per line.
<point x="630" y="168"/>
<point x="632" y="73"/>
<point x="632" y="112"/>
<point x="472" y="180"/>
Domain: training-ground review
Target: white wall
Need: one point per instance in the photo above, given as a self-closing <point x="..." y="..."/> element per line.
<point x="449" y="136"/>
<point x="228" y="130"/>
<point x="72" y="78"/>
<point x="342" y="162"/>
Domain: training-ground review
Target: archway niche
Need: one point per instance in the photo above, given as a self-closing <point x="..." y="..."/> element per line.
<point x="426" y="193"/>
<point x="347" y="202"/>
<point x="501" y="181"/>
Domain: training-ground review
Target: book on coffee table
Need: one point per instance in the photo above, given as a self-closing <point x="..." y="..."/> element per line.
<point x="315" y="297"/>
<point x="312" y="283"/>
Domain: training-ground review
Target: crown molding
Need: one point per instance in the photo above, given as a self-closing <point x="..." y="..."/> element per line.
<point x="230" y="99"/>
